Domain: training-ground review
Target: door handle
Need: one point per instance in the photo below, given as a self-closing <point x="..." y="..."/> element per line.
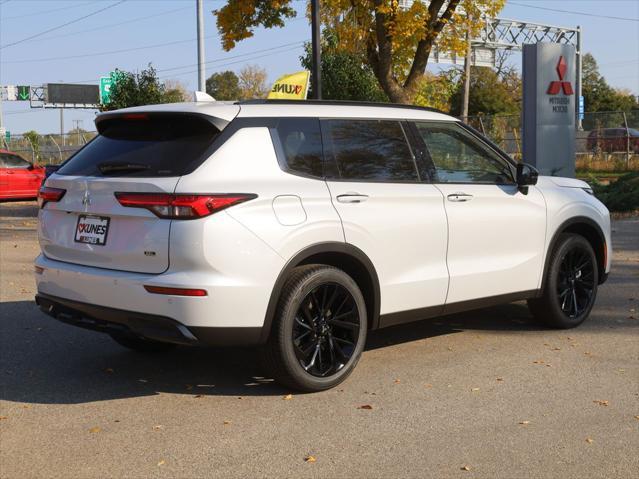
<point x="352" y="197"/>
<point x="459" y="197"/>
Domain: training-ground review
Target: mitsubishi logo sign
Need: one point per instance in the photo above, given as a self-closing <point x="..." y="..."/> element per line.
<point x="555" y="86"/>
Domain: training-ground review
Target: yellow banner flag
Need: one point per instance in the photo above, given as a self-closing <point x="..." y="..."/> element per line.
<point x="291" y="87"/>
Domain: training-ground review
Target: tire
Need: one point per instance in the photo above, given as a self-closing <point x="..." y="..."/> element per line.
<point x="570" y="284"/>
<point x="141" y="345"/>
<point x="313" y="352"/>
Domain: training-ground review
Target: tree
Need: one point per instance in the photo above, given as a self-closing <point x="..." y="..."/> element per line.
<point x="223" y="86"/>
<point x="598" y="95"/>
<point x="33" y="137"/>
<point x="489" y="94"/>
<point x="176" y="92"/>
<point x="252" y="82"/>
<point x="345" y="75"/>
<point x="436" y="91"/>
<point x="136" y="89"/>
<point x="397" y="41"/>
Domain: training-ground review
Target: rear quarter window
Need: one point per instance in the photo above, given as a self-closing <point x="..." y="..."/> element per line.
<point x="144" y="146"/>
<point x="298" y="142"/>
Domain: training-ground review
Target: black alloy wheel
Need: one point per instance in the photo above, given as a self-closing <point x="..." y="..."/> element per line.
<point x="326" y="330"/>
<point x="570" y="284"/>
<point x="576" y="281"/>
<point x="319" y="329"/>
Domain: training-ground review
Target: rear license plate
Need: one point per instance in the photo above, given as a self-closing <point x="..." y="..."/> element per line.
<point x="92" y="230"/>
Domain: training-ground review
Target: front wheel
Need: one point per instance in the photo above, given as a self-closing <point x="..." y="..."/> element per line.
<point x="570" y="284"/>
<point x="319" y="329"/>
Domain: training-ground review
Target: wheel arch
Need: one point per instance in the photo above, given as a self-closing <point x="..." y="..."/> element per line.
<point x="344" y="256"/>
<point x="591" y="231"/>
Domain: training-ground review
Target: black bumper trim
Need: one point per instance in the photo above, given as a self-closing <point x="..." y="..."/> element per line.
<point x="150" y="326"/>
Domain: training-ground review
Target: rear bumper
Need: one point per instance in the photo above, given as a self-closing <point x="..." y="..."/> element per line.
<point x="159" y="328"/>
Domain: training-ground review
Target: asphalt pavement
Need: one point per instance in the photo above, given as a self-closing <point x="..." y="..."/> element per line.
<point x="482" y="394"/>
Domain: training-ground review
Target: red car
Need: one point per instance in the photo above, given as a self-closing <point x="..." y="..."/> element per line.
<point x="19" y="179"/>
<point x="613" y="140"/>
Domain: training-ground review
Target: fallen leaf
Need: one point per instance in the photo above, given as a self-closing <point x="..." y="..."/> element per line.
<point x="428" y="385"/>
<point x="500" y="379"/>
<point x="310" y="459"/>
<point x="475" y="389"/>
<point x="601" y="402"/>
<point x="449" y="348"/>
<point x="288" y="397"/>
<point x="226" y="423"/>
<point x="556" y="349"/>
<point x="158" y="427"/>
<point x="365" y="406"/>
<point x="589" y="440"/>
<point x="26" y="406"/>
<point x="3" y="417"/>
<point x="538" y="361"/>
<point x="524" y="423"/>
<point x="637" y="418"/>
<point x="465" y="468"/>
<point x="197" y="396"/>
<point x="95" y="429"/>
<point x="397" y="381"/>
<point x="162" y="462"/>
<point x="117" y="420"/>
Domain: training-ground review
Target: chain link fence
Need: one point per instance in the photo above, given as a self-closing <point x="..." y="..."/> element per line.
<point x="48" y="149"/>
<point x="609" y="141"/>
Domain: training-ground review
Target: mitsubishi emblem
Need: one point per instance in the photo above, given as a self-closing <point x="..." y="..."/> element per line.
<point x="86" y="199"/>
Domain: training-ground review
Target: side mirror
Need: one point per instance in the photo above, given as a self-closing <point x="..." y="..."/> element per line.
<point x="526" y="175"/>
<point x="30" y="167"/>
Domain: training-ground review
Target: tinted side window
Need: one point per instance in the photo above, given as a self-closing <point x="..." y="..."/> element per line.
<point x="300" y="141"/>
<point x="368" y="150"/>
<point x="458" y="157"/>
<point x="13" y="161"/>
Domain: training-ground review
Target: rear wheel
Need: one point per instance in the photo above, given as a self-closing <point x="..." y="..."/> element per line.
<point x="570" y="284"/>
<point x="319" y="329"/>
<point x="142" y="345"/>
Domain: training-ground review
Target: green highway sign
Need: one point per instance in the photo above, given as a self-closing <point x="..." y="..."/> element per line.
<point x="24" y="92"/>
<point x="105" y="89"/>
<point x="7" y="135"/>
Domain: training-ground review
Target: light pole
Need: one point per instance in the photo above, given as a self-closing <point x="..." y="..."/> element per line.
<point x="317" y="52"/>
<point x="201" y="80"/>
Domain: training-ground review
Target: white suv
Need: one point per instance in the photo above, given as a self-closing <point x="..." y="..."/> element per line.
<point x="299" y="226"/>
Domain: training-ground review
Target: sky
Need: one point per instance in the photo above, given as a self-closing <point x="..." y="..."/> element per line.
<point x="129" y="34"/>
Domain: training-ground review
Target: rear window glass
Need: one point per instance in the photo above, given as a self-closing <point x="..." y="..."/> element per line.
<point x="368" y="150"/>
<point x="144" y="146"/>
<point x="301" y="145"/>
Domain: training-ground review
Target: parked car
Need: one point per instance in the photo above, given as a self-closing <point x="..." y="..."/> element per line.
<point x="19" y="179"/>
<point x="297" y="227"/>
<point x="612" y="140"/>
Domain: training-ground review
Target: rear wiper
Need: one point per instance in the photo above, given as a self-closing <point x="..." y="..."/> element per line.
<point x="118" y="167"/>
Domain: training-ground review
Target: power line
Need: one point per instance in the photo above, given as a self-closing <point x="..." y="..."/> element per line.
<point x="42" y="12"/>
<point x="104" y="27"/>
<point x="63" y="25"/>
<point x="106" y="52"/>
<point x="573" y="12"/>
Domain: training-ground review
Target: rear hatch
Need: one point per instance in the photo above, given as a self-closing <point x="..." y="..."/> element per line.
<point x="135" y="152"/>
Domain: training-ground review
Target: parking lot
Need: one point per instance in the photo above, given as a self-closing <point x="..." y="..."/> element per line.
<point x="481" y="394"/>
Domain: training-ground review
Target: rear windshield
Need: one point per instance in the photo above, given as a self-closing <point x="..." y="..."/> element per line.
<point x="144" y="146"/>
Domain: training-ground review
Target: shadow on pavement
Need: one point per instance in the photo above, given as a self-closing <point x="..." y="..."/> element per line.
<point x="43" y="361"/>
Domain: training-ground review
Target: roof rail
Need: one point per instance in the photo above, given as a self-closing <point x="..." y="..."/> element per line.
<point x="337" y="102"/>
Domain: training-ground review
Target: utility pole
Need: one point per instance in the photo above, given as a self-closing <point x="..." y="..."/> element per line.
<point x="62" y="125"/>
<point x="578" y="79"/>
<point x="317" y="52"/>
<point x="201" y="80"/>
<point x="77" y="128"/>
<point x="467" y="61"/>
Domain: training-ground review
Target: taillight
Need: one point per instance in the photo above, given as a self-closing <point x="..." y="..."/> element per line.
<point x="181" y="207"/>
<point x="47" y="194"/>
<point x="175" y="291"/>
